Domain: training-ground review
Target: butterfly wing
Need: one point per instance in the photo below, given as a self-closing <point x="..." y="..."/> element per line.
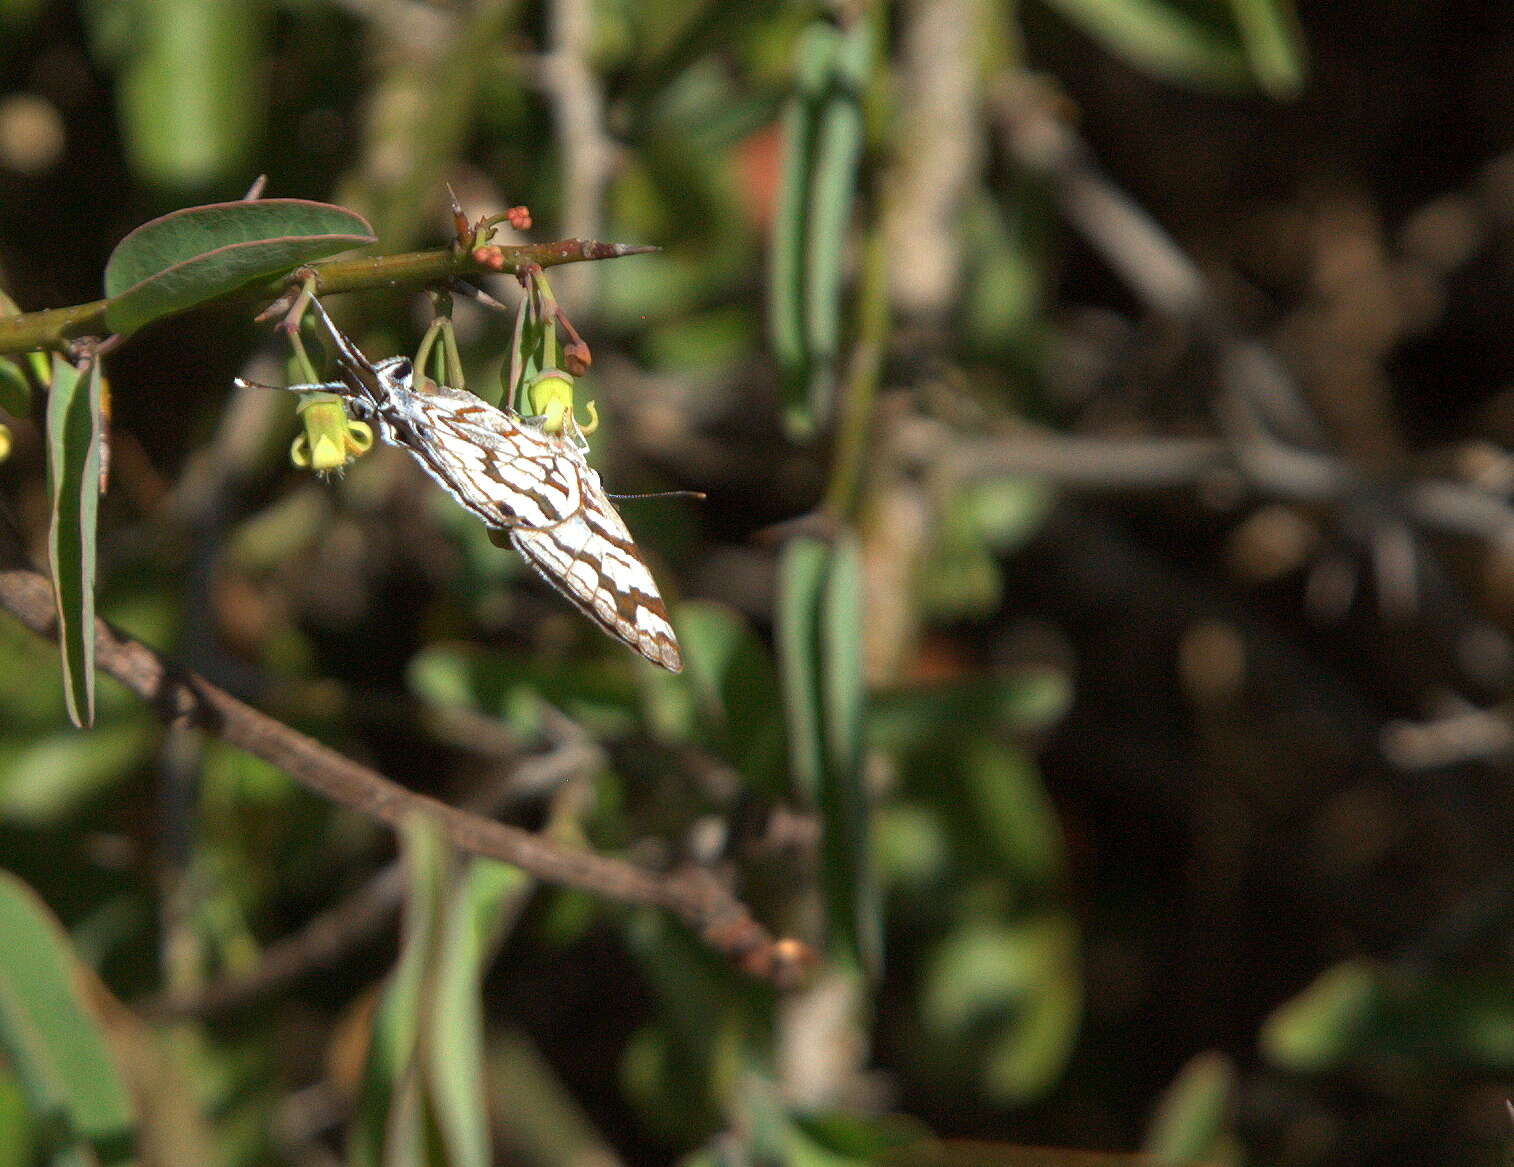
<point x="538" y="488"/>
<point x="591" y="559"/>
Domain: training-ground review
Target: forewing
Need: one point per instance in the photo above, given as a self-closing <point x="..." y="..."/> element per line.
<point x="507" y="474"/>
<point x="592" y="560"/>
<point x="539" y="489"/>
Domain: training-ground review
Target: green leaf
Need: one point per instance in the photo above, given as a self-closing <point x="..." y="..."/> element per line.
<point x="926" y="716"/>
<point x="46" y="777"/>
<point x="75" y="433"/>
<point x="845" y="850"/>
<point x="425" y="1071"/>
<point x="833" y="192"/>
<point x="1161" y="38"/>
<point x="1013" y="814"/>
<point x="801" y="576"/>
<point x="786" y="280"/>
<point x="820" y="656"/>
<point x="1194" y="1112"/>
<point x="199" y="253"/>
<point x="15" y="389"/>
<point x="547" y="1122"/>
<point x="52" y="1039"/>
<point x="454" y="1049"/>
<point x="397" y="1022"/>
<point x="192" y="90"/>
<point x="1274" y="44"/>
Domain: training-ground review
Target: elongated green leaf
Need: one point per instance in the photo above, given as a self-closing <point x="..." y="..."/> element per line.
<point x="426" y="1057"/>
<point x="854" y="911"/>
<point x="1161" y="38"/>
<point x="932" y="715"/>
<point x="1325" y="1024"/>
<point x="547" y="1124"/>
<point x="455" y="1045"/>
<point x="832" y="195"/>
<point x="820" y="655"/>
<point x="194" y="255"/>
<point x="1007" y="997"/>
<point x="1274" y="45"/>
<point x="398" y="1020"/>
<point x="45" y="777"/>
<point x="786" y="292"/>
<point x="74" y="436"/>
<point x="1012" y="813"/>
<point x="801" y="578"/>
<point x="53" y="1041"/>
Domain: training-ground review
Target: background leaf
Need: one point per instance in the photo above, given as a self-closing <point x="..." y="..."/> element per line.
<point x="79" y="1106"/>
<point x="189" y="90"/>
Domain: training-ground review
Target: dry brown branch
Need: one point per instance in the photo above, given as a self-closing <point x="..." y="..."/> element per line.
<point x="362" y="915"/>
<point x="1273" y="437"/>
<point x="182" y="697"/>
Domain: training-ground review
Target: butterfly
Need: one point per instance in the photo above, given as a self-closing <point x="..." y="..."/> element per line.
<point x="525" y="483"/>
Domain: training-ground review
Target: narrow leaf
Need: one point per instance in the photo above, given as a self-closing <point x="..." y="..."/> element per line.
<point x="391" y="1072"/>
<point x="196" y="254"/>
<point x="74" y="439"/>
<point x="820" y="657"/>
<point x="51" y="1037"/>
<point x="832" y="195"/>
<point x="850" y="891"/>
<point x="801" y="576"/>
<point x="454" y="1040"/>
<point x="786" y="295"/>
<point x="736" y="690"/>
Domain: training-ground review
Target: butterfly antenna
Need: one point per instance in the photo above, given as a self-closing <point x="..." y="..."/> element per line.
<point x="358" y="370"/>
<point x="699" y="494"/>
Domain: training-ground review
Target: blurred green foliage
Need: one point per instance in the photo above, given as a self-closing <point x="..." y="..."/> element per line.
<point x="854" y="745"/>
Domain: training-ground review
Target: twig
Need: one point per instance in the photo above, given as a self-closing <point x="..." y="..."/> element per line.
<point x="1136" y="247"/>
<point x="362" y="914"/>
<point x="1166" y="463"/>
<point x="694" y="895"/>
<point x="1277" y="441"/>
<point x="52" y="326"/>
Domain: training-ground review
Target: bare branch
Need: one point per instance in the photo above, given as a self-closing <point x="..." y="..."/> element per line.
<point x="183" y="697"/>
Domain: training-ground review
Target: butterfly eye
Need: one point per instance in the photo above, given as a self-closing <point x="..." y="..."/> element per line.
<point x="403" y="369"/>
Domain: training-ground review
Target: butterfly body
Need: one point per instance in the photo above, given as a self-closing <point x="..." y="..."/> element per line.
<point x="523" y="481"/>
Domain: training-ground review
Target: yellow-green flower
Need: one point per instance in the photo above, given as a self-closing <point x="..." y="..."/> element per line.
<point x="330" y="439"/>
<point x="550" y="397"/>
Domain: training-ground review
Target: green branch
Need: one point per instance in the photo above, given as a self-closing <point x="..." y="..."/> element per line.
<point x="52" y="327"/>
